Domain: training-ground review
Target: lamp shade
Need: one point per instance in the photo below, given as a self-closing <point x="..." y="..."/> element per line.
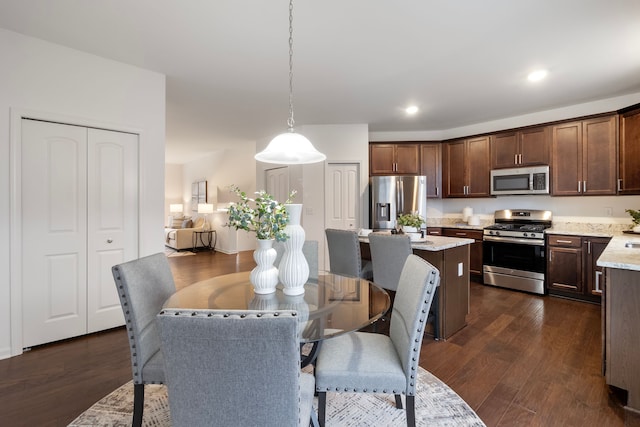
<point x="205" y="208"/>
<point x="290" y="148"/>
<point x="175" y="208"/>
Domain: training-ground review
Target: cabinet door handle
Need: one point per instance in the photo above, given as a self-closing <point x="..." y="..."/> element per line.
<point x="619" y="185"/>
<point x="598" y="289"/>
<point x="461" y="234"/>
<point x="564" y="241"/>
<point x="520" y="158"/>
<point x="437" y="191"/>
<point x="584" y="186"/>
<point x="579" y="186"/>
<point x="515" y="159"/>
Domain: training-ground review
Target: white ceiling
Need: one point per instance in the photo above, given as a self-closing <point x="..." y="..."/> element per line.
<point x="355" y="61"/>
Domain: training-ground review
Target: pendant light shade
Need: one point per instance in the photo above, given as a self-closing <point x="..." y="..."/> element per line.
<point x="290" y="148"/>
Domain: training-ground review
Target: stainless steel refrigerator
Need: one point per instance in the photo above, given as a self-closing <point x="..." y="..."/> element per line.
<point x="395" y="195"/>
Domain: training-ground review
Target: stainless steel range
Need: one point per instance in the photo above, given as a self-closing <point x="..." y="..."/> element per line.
<point x="514" y="250"/>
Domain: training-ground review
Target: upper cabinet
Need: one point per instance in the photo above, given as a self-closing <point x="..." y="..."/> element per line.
<point x="584" y="157"/>
<point x="629" y="168"/>
<point x="394" y="159"/>
<point x="431" y="167"/>
<point x="466" y="168"/>
<point x="527" y="147"/>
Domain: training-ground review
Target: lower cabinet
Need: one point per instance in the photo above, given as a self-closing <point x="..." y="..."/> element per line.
<point x="475" y="255"/>
<point x="571" y="266"/>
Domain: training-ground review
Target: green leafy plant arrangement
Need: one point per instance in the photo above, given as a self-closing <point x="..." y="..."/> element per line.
<point x="411" y="220"/>
<point x="263" y="215"/>
<point x="635" y="215"/>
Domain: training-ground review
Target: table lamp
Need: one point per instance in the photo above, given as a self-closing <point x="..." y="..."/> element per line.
<point x="206" y="209"/>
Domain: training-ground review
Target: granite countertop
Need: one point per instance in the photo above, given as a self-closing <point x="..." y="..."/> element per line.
<point x="434" y="243"/>
<point x="616" y="255"/>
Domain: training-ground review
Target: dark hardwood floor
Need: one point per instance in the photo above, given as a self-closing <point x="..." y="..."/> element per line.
<point x="523" y="360"/>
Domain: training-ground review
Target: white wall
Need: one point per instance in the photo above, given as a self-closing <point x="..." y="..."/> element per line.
<point x="340" y="143"/>
<point x="37" y="76"/>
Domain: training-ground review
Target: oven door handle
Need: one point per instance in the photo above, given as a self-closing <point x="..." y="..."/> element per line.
<point x="531" y="242"/>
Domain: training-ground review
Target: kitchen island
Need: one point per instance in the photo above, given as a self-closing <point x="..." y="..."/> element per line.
<point x="450" y="255"/>
<point x="621" y="316"/>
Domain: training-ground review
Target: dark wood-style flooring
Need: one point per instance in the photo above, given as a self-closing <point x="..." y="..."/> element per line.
<point x="523" y="360"/>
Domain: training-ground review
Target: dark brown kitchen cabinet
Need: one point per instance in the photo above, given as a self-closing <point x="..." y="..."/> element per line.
<point x="434" y="231"/>
<point x="431" y="167"/>
<point x="629" y="166"/>
<point x="584" y="157"/>
<point x="394" y="159"/>
<point x="475" y="249"/>
<point x="564" y="265"/>
<point x="571" y="266"/>
<point x="466" y="168"/>
<point x="528" y="147"/>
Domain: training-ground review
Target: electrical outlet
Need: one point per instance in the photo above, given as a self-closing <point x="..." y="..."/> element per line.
<point x="608" y="211"/>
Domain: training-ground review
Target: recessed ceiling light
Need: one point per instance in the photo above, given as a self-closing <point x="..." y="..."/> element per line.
<point x="411" y="110"/>
<point x="537" y="75"/>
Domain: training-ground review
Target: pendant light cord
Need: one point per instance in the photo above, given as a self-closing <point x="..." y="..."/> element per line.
<point x="290" y="121"/>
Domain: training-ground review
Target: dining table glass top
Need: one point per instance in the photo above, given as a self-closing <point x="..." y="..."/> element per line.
<point x="331" y="304"/>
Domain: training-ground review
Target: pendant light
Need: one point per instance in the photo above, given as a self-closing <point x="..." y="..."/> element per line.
<point x="290" y="148"/>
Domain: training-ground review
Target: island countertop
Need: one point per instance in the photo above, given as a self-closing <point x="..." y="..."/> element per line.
<point x="434" y="243"/>
<point x="617" y="255"/>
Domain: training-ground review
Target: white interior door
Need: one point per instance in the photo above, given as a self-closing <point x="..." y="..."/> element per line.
<point x="278" y="183"/>
<point x="112" y="228"/>
<point x="342" y="196"/>
<point x="54" y="231"/>
<point x="79" y="218"/>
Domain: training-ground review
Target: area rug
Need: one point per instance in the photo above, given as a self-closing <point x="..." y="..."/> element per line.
<point x="436" y="405"/>
<point x="171" y="253"/>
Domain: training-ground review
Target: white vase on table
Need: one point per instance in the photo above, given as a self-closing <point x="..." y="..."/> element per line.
<point x="264" y="276"/>
<point x="293" y="268"/>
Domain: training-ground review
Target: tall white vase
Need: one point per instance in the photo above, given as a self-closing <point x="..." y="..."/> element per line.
<point x="293" y="268"/>
<point x="265" y="276"/>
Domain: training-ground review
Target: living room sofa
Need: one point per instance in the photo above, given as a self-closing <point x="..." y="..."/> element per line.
<point x="180" y="235"/>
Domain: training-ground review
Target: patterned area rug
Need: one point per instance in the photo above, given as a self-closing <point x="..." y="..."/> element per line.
<point x="436" y="405"/>
<point x="171" y="253"/>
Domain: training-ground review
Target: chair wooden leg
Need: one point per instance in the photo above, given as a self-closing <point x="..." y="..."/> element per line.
<point x="411" y="411"/>
<point x="398" y="401"/>
<point x="138" y="404"/>
<point x="322" y="406"/>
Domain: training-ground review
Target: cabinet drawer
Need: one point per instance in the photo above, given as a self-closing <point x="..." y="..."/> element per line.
<point x="459" y="232"/>
<point x="434" y="231"/>
<point x="565" y="241"/>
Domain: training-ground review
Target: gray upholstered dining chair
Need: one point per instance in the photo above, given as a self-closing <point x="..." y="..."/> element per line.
<point x="375" y="363"/>
<point x="143" y="286"/>
<point x="388" y="255"/>
<point x="344" y="254"/>
<point x="310" y="251"/>
<point x="235" y="368"/>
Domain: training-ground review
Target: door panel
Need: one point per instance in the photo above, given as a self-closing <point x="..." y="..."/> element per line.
<point x="112" y="221"/>
<point x="54" y="227"/>
<point x="278" y="183"/>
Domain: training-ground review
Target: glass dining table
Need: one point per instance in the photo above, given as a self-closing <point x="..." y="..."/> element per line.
<point x="330" y="306"/>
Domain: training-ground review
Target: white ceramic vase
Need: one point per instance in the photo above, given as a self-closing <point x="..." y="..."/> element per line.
<point x="293" y="268"/>
<point x="265" y="276"/>
<point x="412" y="232"/>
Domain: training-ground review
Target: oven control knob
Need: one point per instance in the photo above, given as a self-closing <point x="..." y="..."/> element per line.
<point x="525" y="234"/>
<point x="532" y="235"/>
<point x="497" y="233"/>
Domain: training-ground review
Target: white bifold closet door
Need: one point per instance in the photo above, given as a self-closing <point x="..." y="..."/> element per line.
<point x="79" y="218"/>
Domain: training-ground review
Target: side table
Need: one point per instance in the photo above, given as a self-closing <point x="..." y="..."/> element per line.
<point x="199" y="236"/>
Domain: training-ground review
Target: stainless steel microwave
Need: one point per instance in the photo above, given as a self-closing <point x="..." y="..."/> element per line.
<point x="527" y="180"/>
